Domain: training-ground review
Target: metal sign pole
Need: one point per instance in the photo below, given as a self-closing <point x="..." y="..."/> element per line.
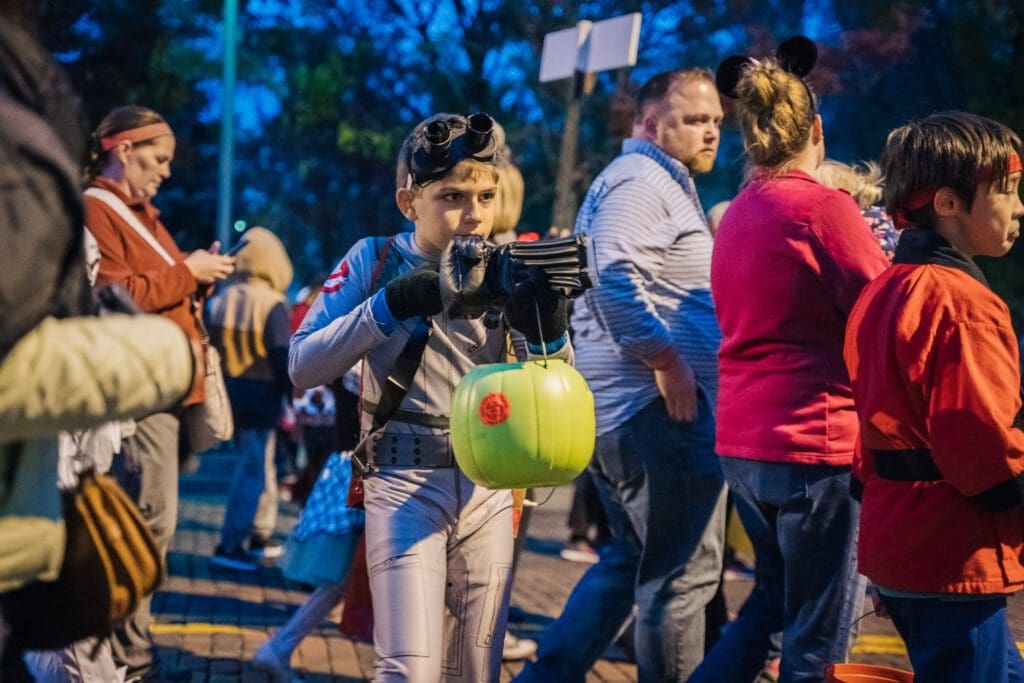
<point x="227" y="125"/>
<point x="580" y="53"/>
<point x="564" y="210"/>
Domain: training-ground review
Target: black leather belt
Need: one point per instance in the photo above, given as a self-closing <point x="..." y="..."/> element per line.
<point x="912" y="464"/>
<point x="409" y="450"/>
<point x="917" y="464"/>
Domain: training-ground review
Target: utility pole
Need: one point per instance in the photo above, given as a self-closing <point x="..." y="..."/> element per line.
<point x="580" y="53"/>
<point x="564" y="213"/>
<point x="227" y="126"/>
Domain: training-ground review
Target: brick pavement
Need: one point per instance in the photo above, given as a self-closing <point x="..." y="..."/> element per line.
<point x="210" y="621"/>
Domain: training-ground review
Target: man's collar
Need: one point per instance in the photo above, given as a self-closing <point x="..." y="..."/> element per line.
<point x="923" y="246"/>
<point x="675" y="168"/>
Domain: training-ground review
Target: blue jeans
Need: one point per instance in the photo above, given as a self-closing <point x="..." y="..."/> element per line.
<point x="252" y="498"/>
<point x="661" y="486"/>
<point x="958" y="642"/>
<point x="803" y="525"/>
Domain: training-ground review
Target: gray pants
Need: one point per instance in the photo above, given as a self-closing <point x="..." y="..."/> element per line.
<point x="252" y="499"/>
<point x="147" y="469"/>
<point x="439" y="553"/>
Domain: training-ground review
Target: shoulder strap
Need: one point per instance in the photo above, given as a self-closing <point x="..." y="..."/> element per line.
<point x="119" y="207"/>
<point x="400" y="377"/>
<point x="388" y="262"/>
<point x="408" y="362"/>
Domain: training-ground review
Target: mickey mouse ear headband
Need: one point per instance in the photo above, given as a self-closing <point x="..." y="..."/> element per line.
<point x="796" y="55"/>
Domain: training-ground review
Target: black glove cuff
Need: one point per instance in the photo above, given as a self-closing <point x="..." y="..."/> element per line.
<point x="417" y="293"/>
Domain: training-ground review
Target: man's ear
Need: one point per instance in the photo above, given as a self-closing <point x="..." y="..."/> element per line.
<point x="404" y="197"/>
<point x="946" y="202"/>
<point x="649" y="125"/>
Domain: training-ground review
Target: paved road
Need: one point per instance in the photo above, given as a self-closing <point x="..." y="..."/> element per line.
<point x="210" y="620"/>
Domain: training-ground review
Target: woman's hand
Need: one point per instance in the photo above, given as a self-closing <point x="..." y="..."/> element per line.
<point x="207" y="268"/>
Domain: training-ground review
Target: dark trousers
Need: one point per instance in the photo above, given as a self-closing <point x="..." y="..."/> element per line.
<point x="957" y="641"/>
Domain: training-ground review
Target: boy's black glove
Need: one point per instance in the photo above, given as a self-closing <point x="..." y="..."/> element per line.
<point x="464" y="289"/>
<point x="417" y="293"/>
<point x="531" y="295"/>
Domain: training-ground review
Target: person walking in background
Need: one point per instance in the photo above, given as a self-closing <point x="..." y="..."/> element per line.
<point x="936" y="377"/>
<point x="647" y="340"/>
<point x="249" y="325"/>
<point x="132" y="150"/>
<point x="790" y="258"/>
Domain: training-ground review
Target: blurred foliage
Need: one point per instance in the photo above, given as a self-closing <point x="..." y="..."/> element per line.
<point x="328" y="88"/>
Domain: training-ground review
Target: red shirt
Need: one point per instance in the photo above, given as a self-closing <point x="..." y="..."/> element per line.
<point x="934" y="363"/>
<point x="789" y="260"/>
<point x="127" y="259"/>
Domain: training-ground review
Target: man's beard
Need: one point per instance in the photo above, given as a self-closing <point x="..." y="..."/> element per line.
<point x="700" y="163"/>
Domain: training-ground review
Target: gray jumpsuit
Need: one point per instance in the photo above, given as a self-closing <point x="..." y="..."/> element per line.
<point x="439" y="547"/>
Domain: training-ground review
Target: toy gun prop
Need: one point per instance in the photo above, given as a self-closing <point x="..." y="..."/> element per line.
<point x="477" y="276"/>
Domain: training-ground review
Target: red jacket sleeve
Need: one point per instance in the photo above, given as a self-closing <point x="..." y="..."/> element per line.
<point x="154" y="288"/>
<point x="972" y="407"/>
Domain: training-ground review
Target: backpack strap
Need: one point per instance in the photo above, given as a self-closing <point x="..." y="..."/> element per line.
<point x="122" y="210"/>
<point x="407" y="364"/>
<point x="388" y="262"/>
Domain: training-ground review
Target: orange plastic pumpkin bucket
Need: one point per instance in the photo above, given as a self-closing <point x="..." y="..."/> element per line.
<point x="867" y="673"/>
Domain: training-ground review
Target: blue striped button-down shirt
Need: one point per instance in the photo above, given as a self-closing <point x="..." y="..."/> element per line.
<point x="652" y="246"/>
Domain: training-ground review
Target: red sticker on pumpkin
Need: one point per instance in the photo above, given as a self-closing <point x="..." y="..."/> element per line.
<point x="494" y="408"/>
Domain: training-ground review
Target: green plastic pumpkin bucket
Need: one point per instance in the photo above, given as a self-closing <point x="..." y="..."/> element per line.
<point x="517" y="425"/>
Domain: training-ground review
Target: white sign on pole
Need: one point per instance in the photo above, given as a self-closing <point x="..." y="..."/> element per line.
<point x="559" y="58"/>
<point x="590" y="47"/>
<point x="613" y="43"/>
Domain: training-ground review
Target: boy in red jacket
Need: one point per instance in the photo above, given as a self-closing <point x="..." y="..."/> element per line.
<point x="934" y="364"/>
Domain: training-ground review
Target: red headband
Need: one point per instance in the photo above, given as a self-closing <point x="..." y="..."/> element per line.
<point x="1013" y="164"/>
<point x="136" y="135"/>
<point x="922" y="198"/>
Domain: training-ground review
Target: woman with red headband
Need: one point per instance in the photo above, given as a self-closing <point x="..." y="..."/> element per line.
<point x="131" y="155"/>
<point x="790" y="258"/>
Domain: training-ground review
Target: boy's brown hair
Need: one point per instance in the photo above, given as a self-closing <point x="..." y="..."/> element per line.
<point x="416" y="140"/>
<point x="952" y="149"/>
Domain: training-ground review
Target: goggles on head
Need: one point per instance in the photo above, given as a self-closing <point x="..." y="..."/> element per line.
<point x="447" y="146"/>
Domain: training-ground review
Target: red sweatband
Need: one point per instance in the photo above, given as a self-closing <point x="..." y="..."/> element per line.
<point x="136" y="135"/>
<point x="1013" y="164"/>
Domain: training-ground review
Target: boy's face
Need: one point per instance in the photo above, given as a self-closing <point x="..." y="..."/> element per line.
<point x="993" y="223"/>
<point x="450" y="207"/>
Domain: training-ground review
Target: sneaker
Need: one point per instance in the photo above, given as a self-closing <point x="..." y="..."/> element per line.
<point x="236" y="559"/>
<point x="579" y="551"/>
<point x="266" y="660"/>
<point x="264" y="549"/>
<point x="516" y="649"/>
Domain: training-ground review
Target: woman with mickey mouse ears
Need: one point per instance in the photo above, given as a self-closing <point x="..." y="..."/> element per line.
<point x="790" y="258"/>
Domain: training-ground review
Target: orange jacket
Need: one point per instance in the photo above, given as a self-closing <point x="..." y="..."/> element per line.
<point x="127" y="259"/>
<point x="934" y="365"/>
